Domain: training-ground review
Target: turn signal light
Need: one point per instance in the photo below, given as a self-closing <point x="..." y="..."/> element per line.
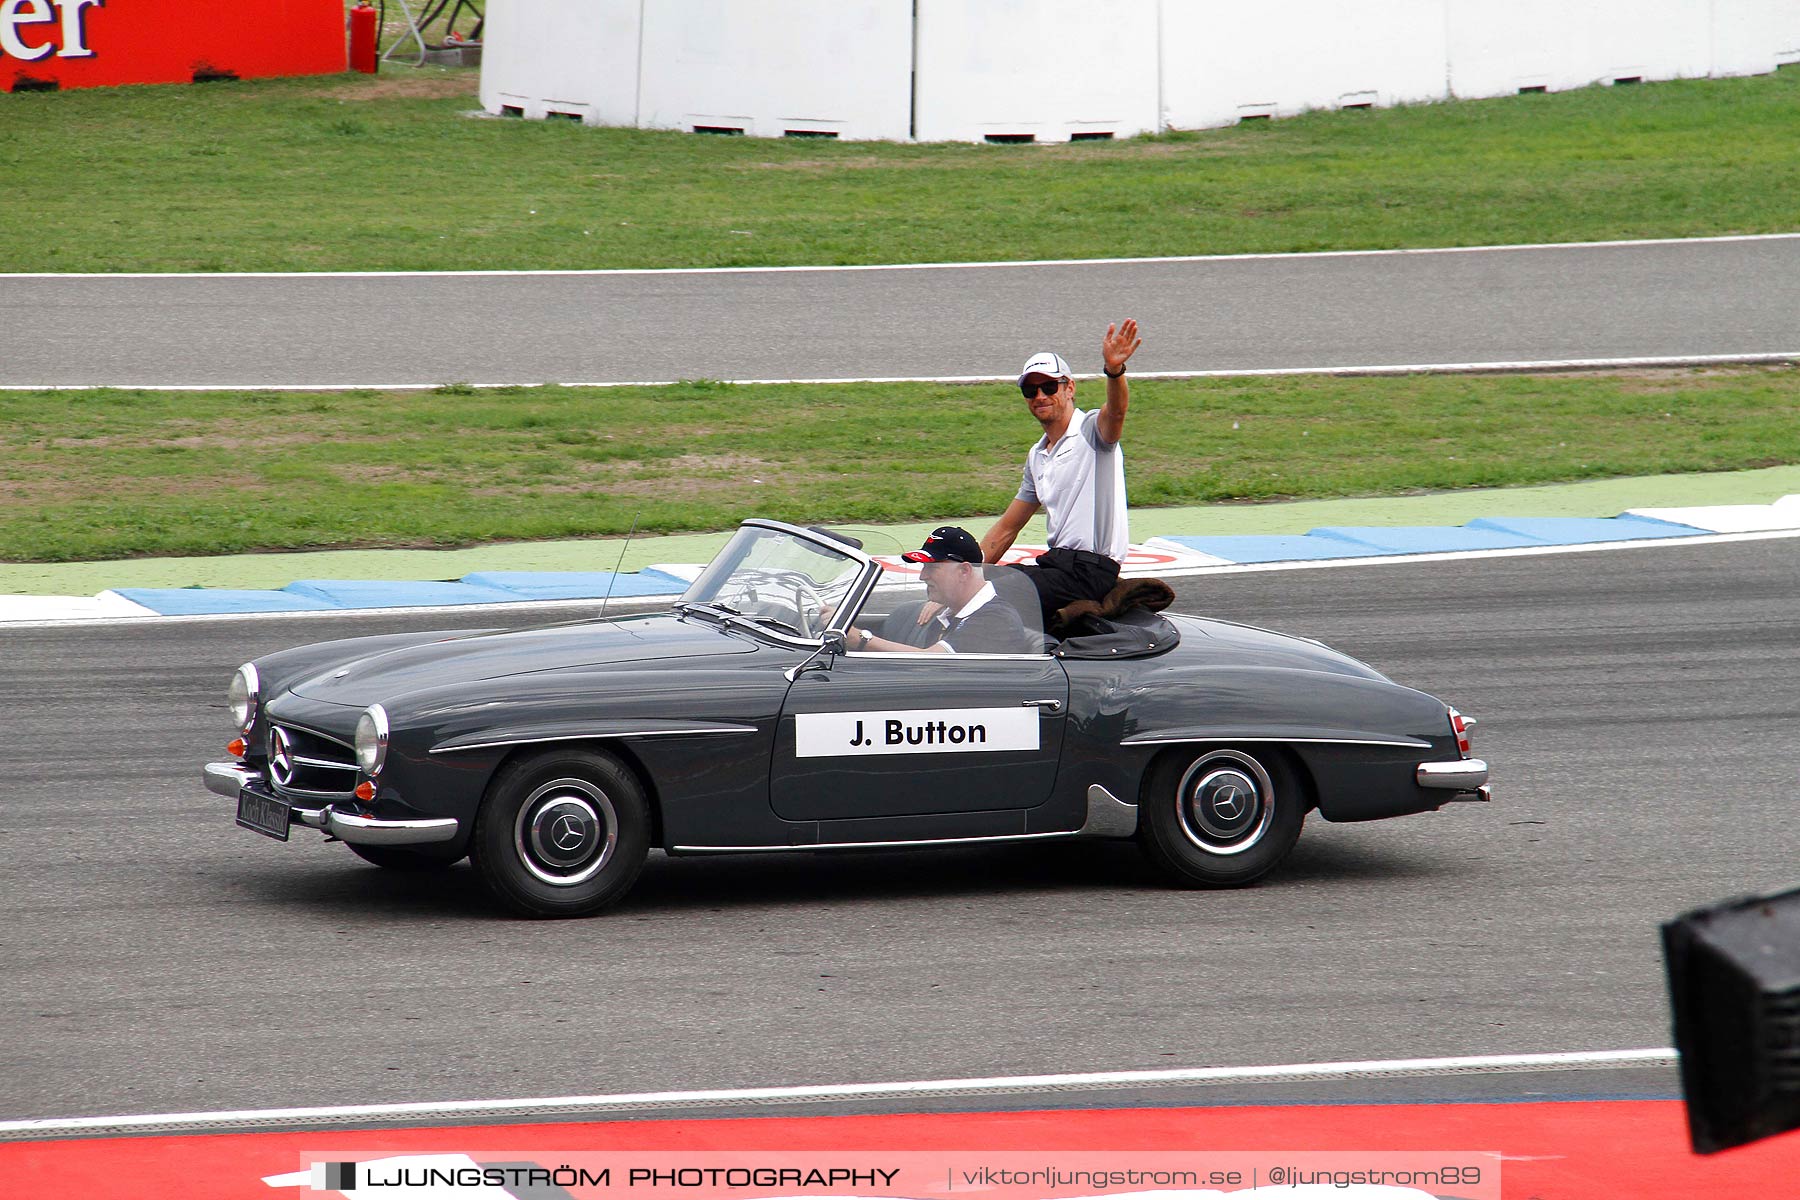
<point x="236" y="748"/>
<point x="365" y="791"/>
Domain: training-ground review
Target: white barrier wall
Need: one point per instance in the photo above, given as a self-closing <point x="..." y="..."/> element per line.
<point x="1044" y="70"/>
<point x="1753" y="37"/>
<point x="539" y="57"/>
<point x="1633" y="40"/>
<point x="1222" y="62"/>
<point x="1052" y="70"/>
<point x="774" y="67"/>
<point x="1497" y="49"/>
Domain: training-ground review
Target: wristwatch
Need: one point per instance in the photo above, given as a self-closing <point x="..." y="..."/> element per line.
<point x="867" y="637"/>
<point x="1112" y="374"/>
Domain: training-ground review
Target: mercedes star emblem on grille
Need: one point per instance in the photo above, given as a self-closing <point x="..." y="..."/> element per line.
<point x="281" y="756"/>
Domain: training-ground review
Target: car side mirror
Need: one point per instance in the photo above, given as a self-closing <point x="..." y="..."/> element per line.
<point x="832" y="644"/>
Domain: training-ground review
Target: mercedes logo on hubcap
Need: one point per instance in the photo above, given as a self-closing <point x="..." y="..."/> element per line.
<point x="1228" y="802"/>
<point x="566" y="833"/>
<point x="281" y="757"/>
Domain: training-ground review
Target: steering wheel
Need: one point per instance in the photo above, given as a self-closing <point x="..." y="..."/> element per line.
<point x="781" y="593"/>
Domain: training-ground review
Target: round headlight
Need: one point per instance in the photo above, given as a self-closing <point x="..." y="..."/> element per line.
<point x="372" y="739"/>
<point x="244" y="695"/>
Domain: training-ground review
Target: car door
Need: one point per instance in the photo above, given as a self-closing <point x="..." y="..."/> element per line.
<point x="888" y="735"/>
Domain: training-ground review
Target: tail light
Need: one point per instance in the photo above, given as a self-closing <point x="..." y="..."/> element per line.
<point x="1461" y="725"/>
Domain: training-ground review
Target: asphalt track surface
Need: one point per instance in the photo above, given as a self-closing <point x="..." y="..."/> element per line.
<point x="1637" y="706"/>
<point x="1647" y="300"/>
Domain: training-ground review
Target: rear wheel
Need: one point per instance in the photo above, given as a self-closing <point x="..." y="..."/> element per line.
<point x="563" y="833"/>
<point x="1220" y="817"/>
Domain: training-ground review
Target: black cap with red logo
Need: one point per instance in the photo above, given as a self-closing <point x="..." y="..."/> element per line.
<point x="947" y="543"/>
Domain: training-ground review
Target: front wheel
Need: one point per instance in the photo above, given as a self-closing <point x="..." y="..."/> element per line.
<point x="561" y="834"/>
<point x="1220" y="817"/>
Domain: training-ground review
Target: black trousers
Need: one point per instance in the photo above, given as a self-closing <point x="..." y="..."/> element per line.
<point x="1065" y="576"/>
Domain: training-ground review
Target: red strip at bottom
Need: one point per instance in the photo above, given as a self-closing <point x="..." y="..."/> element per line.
<point x="1576" y="1150"/>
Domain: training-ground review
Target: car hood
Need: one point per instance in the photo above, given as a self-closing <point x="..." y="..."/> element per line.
<point x="375" y="677"/>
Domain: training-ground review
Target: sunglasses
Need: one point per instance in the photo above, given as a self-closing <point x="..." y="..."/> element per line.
<point x="1034" y="390"/>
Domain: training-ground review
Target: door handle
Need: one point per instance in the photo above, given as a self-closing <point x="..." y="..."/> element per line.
<point x="1054" y="706"/>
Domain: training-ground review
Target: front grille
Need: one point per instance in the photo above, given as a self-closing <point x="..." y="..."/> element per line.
<point x="303" y="763"/>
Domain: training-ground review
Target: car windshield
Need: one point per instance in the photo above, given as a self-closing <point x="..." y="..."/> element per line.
<point x="776" y="580"/>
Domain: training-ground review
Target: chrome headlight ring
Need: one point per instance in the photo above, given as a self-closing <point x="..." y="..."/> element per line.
<point x="244" y="696"/>
<point x="372" y="739"/>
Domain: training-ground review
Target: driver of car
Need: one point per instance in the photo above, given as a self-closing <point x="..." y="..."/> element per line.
<point x="973" y="619"/>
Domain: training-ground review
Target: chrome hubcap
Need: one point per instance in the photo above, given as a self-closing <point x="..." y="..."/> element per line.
<point x="1225" y="802"/>
<point x="566" y="832"/>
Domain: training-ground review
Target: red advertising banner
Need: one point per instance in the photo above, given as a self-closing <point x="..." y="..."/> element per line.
<point x="48" y="44"/>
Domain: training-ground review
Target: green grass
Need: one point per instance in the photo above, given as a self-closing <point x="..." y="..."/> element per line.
<point x="389" y="172"/>
<point x="93" y="475"/>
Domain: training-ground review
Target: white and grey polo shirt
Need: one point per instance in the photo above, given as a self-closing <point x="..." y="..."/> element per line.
<point x="1081" y="484"/>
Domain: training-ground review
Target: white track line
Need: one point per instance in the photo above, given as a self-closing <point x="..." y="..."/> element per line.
<point x="940" y="266"/>
<point x="1386" y="560"/>
<point x="1472" y="1065"/>
<point x="1498" y="367"/>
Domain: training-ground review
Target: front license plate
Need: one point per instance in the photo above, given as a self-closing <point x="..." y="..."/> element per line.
<point x="265" y="814"/>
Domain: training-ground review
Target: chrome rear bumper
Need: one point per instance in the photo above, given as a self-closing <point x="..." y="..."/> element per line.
<point x="228" y="778"/>
<point x="1464" y="775"/>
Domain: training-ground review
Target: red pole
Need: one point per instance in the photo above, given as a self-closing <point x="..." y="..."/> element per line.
<point x="363" y="38"/>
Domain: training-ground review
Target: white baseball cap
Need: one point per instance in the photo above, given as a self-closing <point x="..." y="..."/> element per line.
<point x="1045" y="363"/>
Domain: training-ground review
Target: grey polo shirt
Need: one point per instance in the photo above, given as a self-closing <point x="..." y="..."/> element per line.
<point x="1081" y="484"/>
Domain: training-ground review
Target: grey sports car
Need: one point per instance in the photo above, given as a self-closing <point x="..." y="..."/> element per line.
<point x="557" y="757"/>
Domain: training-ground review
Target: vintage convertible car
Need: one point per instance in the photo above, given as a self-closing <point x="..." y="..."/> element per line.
<point x="556" y="757"/>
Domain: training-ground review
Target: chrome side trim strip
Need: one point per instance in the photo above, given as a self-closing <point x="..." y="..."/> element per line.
<point x="941" y="660"/>
<point x="964" y="841"/>
<point x="1464" y="775"/>
<point x="1107" y="815"/>
<point x="1178" y="739"/>
<point x="673" y="731"/>
<point x="372" y="831"/>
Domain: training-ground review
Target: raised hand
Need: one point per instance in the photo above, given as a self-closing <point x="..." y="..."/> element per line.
<point x="1119" y="344"/>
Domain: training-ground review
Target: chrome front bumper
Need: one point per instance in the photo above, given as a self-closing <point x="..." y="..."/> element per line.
<point x="228" y="778"/>
<point x="1465" y="775"/>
